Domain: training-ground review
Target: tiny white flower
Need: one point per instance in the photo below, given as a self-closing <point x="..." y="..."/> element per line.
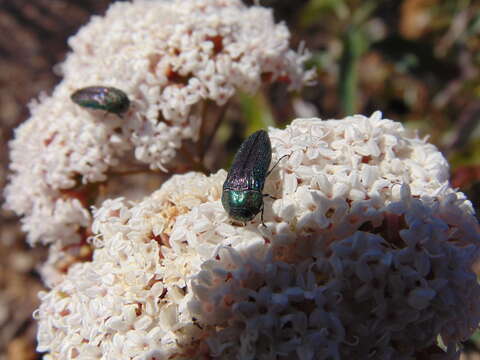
<point x="170" y="58"/>
<point x="354" y="261"/>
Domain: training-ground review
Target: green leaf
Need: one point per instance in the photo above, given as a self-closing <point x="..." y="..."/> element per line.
<point x="256" y="111"/>
<point x="316" y="9"/>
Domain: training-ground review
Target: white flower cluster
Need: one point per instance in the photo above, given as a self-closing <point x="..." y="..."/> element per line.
<point x="173" y="59"/>
<point x="366" y="253"/>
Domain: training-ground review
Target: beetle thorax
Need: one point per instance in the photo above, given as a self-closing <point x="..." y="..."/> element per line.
<point x="242" y="205"/>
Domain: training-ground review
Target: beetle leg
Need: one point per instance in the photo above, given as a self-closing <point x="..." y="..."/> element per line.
<point x="270" y="196"/>
<point x="284" y="156"/>
<point x="238" y="223"/>
<point x="263" y="223"/>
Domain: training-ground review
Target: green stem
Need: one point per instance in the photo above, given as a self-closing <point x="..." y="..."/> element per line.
<point x="210" y="137"/>
<point x="348" y="84"/>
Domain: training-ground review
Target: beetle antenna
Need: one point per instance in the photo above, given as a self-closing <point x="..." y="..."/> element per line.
<point x="274" y="166"/>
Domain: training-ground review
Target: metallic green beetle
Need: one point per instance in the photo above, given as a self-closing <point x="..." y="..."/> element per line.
<point x="242" y="196"/>
<point x="105" y="98"/>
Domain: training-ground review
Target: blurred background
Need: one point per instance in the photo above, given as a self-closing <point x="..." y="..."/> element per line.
<point x="418" y="61"/>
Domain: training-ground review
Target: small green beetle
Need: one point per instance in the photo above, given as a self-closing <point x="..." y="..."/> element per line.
<point x="105" y="98"/>
<point x="242" y="196"/>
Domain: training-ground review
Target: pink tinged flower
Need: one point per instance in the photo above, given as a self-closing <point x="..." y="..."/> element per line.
<point x="179" y="56"/>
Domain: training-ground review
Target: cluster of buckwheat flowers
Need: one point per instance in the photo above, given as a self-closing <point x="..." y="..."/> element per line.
<point x="366" y="252"/>
<point x="178" y="61"/>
